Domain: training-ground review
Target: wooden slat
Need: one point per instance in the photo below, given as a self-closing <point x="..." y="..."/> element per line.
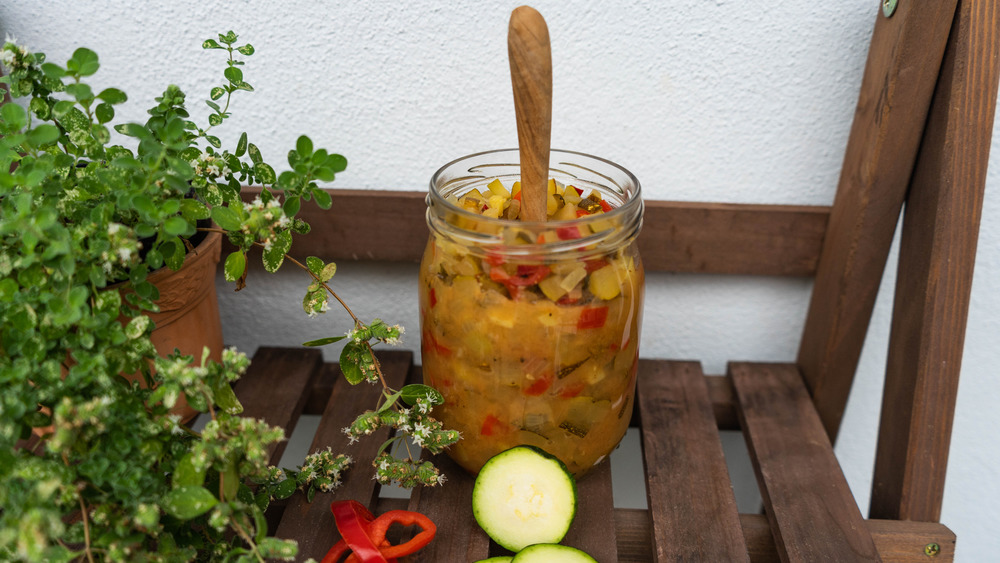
<point x="903" y="62"/>
<point x="275" y="386"/>
<point x="714" y="238"/>
<point x="937" y="255"/>
<point x="450" y="507"/>
<point x="896" y="541"/>
<point x="690" y="495"/>
<point x="812" y="513"/>
<point x="591" y="530"/>
<point x="725" y="238"/>
<point x="311" y="524"/>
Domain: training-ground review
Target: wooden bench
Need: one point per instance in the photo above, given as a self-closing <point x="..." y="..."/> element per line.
<point x="921" y="135"/>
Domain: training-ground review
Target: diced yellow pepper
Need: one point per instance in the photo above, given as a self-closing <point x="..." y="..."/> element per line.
<point x="496" y="188"/>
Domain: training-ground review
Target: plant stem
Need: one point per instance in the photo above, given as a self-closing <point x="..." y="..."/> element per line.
<point x="86" y="531"/>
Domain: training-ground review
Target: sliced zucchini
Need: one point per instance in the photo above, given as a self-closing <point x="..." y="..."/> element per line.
<point x="552" y="553"/>
<point x="524" y="496"/>
<point x="500" y="559"/>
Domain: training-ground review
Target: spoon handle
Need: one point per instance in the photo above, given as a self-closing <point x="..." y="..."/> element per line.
<point x="531" y="76"/>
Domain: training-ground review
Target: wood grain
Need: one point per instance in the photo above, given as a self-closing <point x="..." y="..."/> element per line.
<point x="591" y="530"/>
<point x="937" y="256"/>
<point x="311" y="524"/>
<point x="690" y="495"/>
<point x="531" y="77"/>
<point x="683" y="237"/>
<point x="896" y="541"/>
<point x="809" y="505"/>
<point x="899" y="77"/>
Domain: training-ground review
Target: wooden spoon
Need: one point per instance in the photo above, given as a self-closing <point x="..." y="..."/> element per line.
<point x="531" y="76"/>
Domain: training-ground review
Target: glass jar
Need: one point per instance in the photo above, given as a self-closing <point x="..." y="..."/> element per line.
<point x="530" y="330"/>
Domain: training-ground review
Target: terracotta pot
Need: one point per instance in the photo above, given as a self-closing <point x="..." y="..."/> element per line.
<point x="189" y="308"/>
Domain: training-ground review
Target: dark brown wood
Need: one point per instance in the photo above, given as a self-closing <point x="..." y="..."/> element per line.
<point x="812" y="513"/>
<point x="903" y="63"/>
<point x="725" y="238"/>
<point x="685" y="237"/>
<point x="592" y="530"/>
<point x="937" y="255"/>
<point x="690" y="495"/>
<point x="275" y="387"/>
<point x="897" y="541"/>
<point x="311" y="524"/>
<point x="450" y="508"/>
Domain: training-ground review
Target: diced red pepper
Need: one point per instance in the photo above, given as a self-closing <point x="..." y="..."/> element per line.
<point x="489" y="426"/>
<point x="579" y="191"/>
<point x="517" y="196"/>
<point x="581" y="213"/>
<point x="428" y="343"/>
<point x="494" y="258"/>
<point x="538" y="386"/>
<point x="568" y="233"/>
<point x="605" y="206"/>
<point x="592" y="317"/>
<point x="593" y="265"/>
<point x="572" y="390"/>
<point x="529" y="275"/>
<point x="432" y="297"/>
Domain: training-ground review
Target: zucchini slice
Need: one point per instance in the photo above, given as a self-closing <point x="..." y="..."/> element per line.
<point x="552" y="553"/>
<point x="524" y="496"/>
<point x="499" y="559"/>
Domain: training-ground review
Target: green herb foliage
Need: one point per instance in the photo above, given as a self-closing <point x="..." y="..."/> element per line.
<point x="115" y="476"/>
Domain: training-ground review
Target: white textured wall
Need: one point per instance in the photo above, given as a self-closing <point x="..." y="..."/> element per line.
<point x="746" y="101"/>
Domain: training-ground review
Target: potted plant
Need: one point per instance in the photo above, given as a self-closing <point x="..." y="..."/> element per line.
<point x="87" y="226"/>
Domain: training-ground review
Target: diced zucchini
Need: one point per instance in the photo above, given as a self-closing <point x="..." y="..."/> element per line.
<point x="604" y="283"/>
<point x="552" y="553"/>
<point x="524" y="496"/>
<point x="497" y="188"/>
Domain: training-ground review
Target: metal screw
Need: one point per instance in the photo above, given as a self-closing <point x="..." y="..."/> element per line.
<point x="932" y="549"/>
<point x="888" y="7"/>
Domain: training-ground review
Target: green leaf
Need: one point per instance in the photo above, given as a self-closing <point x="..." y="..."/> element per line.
<point x="314" y="264"/>
<point x="390" y="401"/>
<point x="304" y="147"/>
<point x="233" y="74"/>
<point x="323" y="199"/>
<point x="214" y="141"/>
<point x="192" y="210"/>
<point x="217" y="93"/>
<point x="230" y="481"/>
<point x="229" y="38"/>
<point x="324" y="341"/>
<point x="328" y="271"/>
<point x="53" y="70"/>
<point x="285" y="489"/>
<point x="185" y="503"/>
<point x="187" y="473"/>
<point x="241" y="145"/>
<point x="410" y="393"/>
<point x="104" y="112"/>
<point x="84" y="62"/>
<point x="246" y="49"/>
<point x="14" y="116"/>
<point x="81" y="92"/>
<point x="254" y="153"/>
<point x="336" y="162"/>
<point x="275" y="255"/>
<point x="292" y="205"/>
<point x="112" y="96"/>
<point x="44" y="134"/>
<point x="355" y="360"/>
<point x="213" y="105"/>
<point x="176" y="226"/>
<point x="8" y="289"/>
<point x="226" y="218"/>
<point x="236" y="265"/>
<point x="264" y="172"/>
<point x="214" y="119"/>
<point x="211" y="44"/>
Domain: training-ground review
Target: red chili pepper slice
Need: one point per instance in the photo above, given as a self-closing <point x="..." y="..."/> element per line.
<point x="605" y="206"/>
<point x="382" y="524"/>
<point x="352" y="521"/>
<point x="571" y="232"/>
